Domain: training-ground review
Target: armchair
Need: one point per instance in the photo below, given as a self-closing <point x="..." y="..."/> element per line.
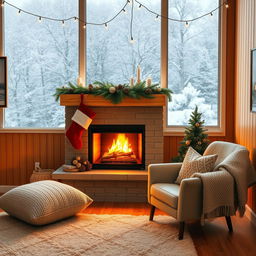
<point x="185" y="201"/>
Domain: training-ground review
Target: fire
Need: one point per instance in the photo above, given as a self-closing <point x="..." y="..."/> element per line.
<point x="120" y="145"/>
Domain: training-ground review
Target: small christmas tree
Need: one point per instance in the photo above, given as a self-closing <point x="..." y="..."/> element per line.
<point x="195" y="136"/>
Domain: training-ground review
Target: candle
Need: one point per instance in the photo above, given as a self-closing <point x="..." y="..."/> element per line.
<point x="149" y="81"/>
<point x="131" y="81"/>
<point x="138" y="74"/>
<point x="78" y="81"/>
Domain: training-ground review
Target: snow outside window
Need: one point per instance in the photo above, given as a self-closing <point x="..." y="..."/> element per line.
<point x="110" y="54"/>
<point x="193" y="62"/>
<point x="41" y="56"/>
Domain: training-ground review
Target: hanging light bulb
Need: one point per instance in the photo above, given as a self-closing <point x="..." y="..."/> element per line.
<point x="63" y="23"/>
<point x="157" y="17"/>
<point x="129" y="1"/>
<point x="139" y="7"/>
<point x="186" y="24"/>
<point x="211" y="14"/>
<point x="106" y="25"/>
<point x="124" y="11"/>
<point x="84" y="26"/>
<point x="40" y="19"/>
<point x="75" y="19"/>
<point x="2" y="4"/>
<point x="19" y="11"/>
<point x="132" y="41"/>
<point x="226" y="5"/>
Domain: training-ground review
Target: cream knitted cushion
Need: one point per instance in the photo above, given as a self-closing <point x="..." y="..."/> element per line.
<point x="194" y="162"/>
<point x="44" y="202"/>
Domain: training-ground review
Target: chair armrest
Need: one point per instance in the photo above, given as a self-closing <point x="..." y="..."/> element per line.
<point x="162" y="173"/>
<point x="190" y="199"/>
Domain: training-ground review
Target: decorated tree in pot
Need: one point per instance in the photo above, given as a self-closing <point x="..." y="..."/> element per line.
<point x="195" y="136"/>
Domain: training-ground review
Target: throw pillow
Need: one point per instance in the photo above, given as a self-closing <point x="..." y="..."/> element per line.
<point x="194" y="162"/>
<point x="44" y="202"/>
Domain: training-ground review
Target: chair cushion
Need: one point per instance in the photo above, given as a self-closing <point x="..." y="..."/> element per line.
<point x="194" y="162"/>
<point x="166" y="192"/>
<point x="44" y="202"/>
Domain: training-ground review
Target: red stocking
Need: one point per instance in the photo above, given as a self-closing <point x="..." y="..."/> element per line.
<point x="81" y="120"/>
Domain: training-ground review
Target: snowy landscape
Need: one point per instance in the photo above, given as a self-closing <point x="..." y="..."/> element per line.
<point x="44" y="55"/>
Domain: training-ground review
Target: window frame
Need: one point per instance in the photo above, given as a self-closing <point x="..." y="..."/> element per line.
<point x="168" y="130"/>
<point x="219" y="130"/>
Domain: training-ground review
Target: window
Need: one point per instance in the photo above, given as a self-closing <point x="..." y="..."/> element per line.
<point x="44" y="55"/>
<point x="193" y="62"/>
<point x="41" y="56"/>
<point x="110" y="54"/>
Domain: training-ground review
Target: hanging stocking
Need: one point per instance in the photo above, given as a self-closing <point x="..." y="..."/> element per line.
<point x="81" y="120"/>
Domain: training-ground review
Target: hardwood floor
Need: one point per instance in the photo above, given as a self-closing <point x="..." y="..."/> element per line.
<point x="212" y="239"/>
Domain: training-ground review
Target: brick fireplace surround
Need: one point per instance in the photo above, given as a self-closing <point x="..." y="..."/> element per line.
<point x="116" y="185"/>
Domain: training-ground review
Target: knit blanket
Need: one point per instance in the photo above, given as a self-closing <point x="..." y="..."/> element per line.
<point x="225" y="189"/>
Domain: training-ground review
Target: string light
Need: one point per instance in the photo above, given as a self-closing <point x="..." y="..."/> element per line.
<point x="122" y="10"/>
<point x="132" y="41"/>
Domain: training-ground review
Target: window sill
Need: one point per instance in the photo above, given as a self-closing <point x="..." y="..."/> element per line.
<point x="179" y="131"/>
<point x="32" y="130"/>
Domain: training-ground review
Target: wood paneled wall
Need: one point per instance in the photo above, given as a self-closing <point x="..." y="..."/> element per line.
<point x="245" y="120"/>
<point x="19" y="152"/>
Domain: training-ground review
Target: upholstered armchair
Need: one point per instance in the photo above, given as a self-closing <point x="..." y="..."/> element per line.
<point x="184" y="202"/>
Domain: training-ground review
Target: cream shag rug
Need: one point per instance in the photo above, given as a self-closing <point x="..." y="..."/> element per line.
<point x="90" y="234"/>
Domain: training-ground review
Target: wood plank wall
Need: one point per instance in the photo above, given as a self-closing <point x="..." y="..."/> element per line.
<point x="19" y="152"/>
<point x="245" y="120"/>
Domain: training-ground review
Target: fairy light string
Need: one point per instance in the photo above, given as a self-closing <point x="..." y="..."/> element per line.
<point x="123" y="10"/>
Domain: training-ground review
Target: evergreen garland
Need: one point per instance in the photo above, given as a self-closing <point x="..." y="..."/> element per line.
<point x="115" y="93"/>
<point x="195" y="136"/>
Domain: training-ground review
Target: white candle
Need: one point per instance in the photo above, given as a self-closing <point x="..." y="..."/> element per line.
<point x="138" y="74"/>
<point x="132" y="82"/>
<point x="149" y="81"/>
<point x="78" y="81"/>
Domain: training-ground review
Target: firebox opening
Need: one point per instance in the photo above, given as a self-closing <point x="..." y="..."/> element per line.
<point x="117" y="146"/>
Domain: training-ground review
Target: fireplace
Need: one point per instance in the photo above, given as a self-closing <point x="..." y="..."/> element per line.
<point x="117" y="147"/>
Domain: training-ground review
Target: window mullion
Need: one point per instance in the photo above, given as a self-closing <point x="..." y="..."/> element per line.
<point x="82" y="41"/>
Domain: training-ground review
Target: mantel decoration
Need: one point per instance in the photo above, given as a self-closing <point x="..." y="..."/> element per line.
<point x="116" y="93"/>
<point x="123" y="10"/>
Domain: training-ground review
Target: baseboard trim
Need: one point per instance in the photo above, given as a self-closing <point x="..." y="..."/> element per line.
<point x="5" y="188"/>
<point x="251" y="215"/>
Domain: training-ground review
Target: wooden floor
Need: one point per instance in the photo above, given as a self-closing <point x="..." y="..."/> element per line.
<point x="210" y="240"/>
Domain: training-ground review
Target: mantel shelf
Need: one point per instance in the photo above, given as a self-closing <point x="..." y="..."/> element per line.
<point x="159" y="100"/>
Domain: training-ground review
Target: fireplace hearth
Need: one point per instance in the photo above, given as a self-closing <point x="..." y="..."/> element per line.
<point x="119" y="147"/>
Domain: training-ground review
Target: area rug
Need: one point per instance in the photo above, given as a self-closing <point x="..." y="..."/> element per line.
<point x="90" y="234"/>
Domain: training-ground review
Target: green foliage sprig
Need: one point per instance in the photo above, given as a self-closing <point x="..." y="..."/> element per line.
<point x="115" y="93"/>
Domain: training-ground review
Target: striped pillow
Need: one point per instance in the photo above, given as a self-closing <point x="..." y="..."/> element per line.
<point x="194" y="162"/>
<point x="44" y="202"/>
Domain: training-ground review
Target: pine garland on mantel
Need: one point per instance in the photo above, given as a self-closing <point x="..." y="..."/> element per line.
<point x="115" y="93"/>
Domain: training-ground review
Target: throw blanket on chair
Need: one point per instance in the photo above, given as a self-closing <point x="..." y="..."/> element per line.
<point x="225" y="189"/>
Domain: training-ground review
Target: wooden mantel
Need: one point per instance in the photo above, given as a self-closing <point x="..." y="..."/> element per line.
<point x="159" y="100"/>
